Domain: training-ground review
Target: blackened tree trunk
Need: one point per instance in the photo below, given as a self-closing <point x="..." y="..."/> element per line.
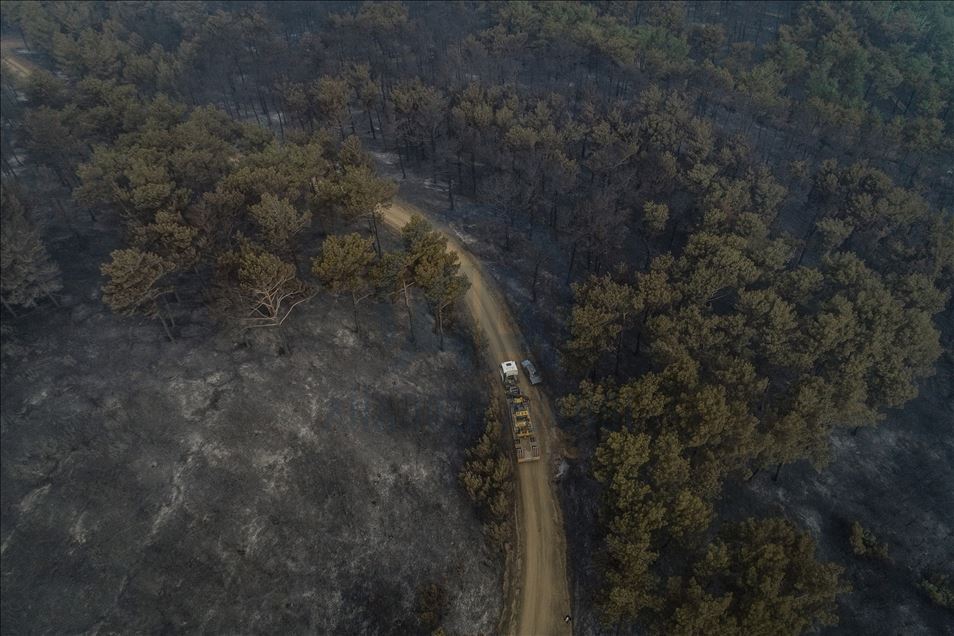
<point x="440" y="325"/>
<point x="8" y="307"/>
<point x="569" y="270"/>
<point x="473" y="171"/>
<point x="165" y="327"/>
<point x="354" y="308"/>
<point x="373" y="222"/>
<point x="536" y="275"/>
<point x="410" y="316"/>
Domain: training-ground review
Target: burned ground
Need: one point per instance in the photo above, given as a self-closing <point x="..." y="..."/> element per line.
<point x="152" y="486"/>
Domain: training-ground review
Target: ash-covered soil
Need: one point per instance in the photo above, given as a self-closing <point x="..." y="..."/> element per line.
<point x="203" y="485"/>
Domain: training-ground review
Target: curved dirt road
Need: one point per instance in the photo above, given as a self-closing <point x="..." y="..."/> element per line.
<point x="542" y="595"/>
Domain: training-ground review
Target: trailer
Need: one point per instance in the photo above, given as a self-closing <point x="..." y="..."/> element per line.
<point x="524" y="434"/>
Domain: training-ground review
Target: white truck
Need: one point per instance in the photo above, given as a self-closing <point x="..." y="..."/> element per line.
<point x="524" y="434"/>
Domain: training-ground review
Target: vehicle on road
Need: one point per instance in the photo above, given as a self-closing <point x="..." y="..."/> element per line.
<point x="532" y="372"/>
<point x="524" y="435"/>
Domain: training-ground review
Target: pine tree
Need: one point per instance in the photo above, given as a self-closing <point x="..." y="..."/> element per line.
<point x="278" y="221"/>
<point x="395" y="278"/>
<point x="603" y="311"/>
<point x="345" y="265"/>
<point x="356" y="191"/>
<point x="435" y="269"/>
<point x="487" y="476"/>
<point x="257" y="288"/>
<point x="330" y="96"/>
<point x="169" y="237"/>
<point x="27" y="273"/>
<point x="135" y="283"/>
<point x="359" y="78"/>
<point x="655" y="217"/>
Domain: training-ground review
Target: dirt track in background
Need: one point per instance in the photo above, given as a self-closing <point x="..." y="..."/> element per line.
<point x="541" y="593"/>
<point x="17" y="64"/>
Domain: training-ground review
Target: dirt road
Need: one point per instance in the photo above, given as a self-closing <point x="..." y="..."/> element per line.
<point x="542" y="595"/>
<point x="16" y="64"/>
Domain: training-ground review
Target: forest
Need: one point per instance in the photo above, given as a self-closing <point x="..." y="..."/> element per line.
<point x="729" y="227"/>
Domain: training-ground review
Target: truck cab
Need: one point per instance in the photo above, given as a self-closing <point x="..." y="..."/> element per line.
<point x="509" y="372"/>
